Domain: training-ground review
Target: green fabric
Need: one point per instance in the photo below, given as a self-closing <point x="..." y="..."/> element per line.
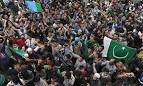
<point x="85" y="53"/>
<point x="2" y="79"/>
<point x="39" y="8"/>
<point x="120" y="51"/>
<point x="111" y="12"/>
<point x="18" y="51"/>
<point x="59" y="72"/>
<point x="90" y="43"/>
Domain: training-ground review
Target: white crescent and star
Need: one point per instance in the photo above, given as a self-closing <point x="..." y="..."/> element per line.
<point x="119" y="57"/>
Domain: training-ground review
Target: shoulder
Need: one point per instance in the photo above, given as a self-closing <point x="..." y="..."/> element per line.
<point x="10" y="83"/>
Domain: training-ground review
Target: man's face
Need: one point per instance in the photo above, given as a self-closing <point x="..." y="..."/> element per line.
<point x="94" y="77"/>
<point x="80" y="59"/>
<point x="100" y="48"/>
<point x="54" y="44"/>
<point x="61" y="25"/>
<point x="49" y="34"/>
<point x="17" y="67"/>
<point x="111" y="61"/>
<point x="115" y="37"/>
<point x="92" y="37"/>
<point x="46" y="10"/>
<point x="5" y="17"/>
<point x="66" y="58"/>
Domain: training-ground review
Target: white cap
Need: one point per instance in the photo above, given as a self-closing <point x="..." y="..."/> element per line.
<point x="29" y="50"/>
<point x="70" y="4"/>
<point x="19" y="12"/>
<point x="55" y="25"/>
<point x="15" y="1"/>
<point x="26" y="55"/>
<point x="88" y="3"/>
<point x="97" y="75"/>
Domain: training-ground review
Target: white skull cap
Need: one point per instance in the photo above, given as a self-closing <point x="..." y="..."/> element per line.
<point x="29" y="50"/>
<point x="26" y="55"/>
<point x="97" y="75"/>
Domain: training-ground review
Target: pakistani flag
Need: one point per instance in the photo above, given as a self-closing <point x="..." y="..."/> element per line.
<point x="33" y="6"/>
<point x="117" y="50"/>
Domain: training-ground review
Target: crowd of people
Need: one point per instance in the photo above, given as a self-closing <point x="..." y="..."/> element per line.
<point x="64" y="43"/>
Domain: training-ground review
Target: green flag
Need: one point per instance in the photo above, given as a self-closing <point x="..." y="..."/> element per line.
<point x="19" y="52"/>
<point x="2" y="79"/>
<point x="39" y="8"/>
<point x="117" y="50"/>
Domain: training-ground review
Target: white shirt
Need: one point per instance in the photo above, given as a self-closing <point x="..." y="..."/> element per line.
<point x="41" y="83"/>
<point x="30" y="43"/>
<point x="78" y="64"/>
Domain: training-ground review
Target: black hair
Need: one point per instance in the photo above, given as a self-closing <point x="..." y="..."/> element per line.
<point x="15" y="79"/>
<point x="39" y="68"/>
<point x="37" y="78"/>
<point x="81" y="67"/>
<point x="68" y="56"/>
<point x="68" y="74"/>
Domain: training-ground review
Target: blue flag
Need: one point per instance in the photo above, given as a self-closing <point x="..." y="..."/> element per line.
<point x="33" y="6"/>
